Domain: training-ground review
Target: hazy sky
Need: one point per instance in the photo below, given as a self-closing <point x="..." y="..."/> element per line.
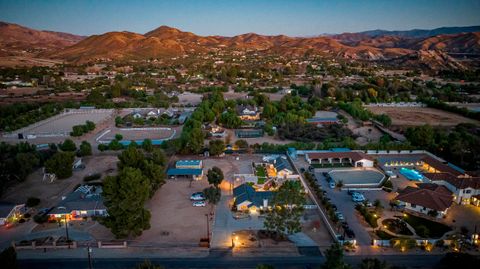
<point x="294" y="18"/>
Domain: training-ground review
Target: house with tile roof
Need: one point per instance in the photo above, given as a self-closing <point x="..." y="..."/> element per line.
<point x="465" y="189"/>
<point x="428" y="198"/>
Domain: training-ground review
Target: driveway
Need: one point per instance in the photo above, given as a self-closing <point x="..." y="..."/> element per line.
<point x="463" y="215"/>
<point x="225" y="224"/>
<point x="345" y="205"/>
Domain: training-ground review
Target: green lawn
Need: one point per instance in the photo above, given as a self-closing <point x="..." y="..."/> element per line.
<point x="436" y="229"/>
<point x="261" y="180"/>
<point x="260" y="171"/>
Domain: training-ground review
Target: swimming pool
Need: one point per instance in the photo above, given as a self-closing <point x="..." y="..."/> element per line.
<point x="411" y="174"/>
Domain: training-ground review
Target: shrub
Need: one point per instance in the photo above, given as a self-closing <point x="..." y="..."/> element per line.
<point x="102" y="147"/>
<point x="40" y="218"/>
<point x="32" y="201"/>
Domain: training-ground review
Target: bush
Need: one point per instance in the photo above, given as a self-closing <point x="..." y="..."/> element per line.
<point x="102" y="147"/>
<point x="92" y="177"/>
<point x="40" y="218"/>
<point x="422" y="231"/>
<point x="118" y="137"/>
<point x="32" y="201"/>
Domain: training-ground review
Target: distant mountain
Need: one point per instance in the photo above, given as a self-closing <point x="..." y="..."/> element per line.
<point x="395" y="46"/>
<point x="419" y="33"/>
<point x="18" y="40"/>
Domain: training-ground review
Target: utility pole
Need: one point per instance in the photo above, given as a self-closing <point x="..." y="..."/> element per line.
<point x="66" y="224"/>
<point x="208" y="229"/>
<point x="89" y="250"/>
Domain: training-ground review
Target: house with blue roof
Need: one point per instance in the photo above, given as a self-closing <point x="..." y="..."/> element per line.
<point x="246" y="198"/>
<point x="189" y="164"/>
<point x="187" y="169"/>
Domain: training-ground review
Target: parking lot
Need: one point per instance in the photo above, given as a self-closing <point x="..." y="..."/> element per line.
<point x="343" y="201"/>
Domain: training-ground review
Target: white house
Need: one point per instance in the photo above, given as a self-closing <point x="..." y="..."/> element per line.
<point x="465" y="189"/>
<point x="356" y="159"/>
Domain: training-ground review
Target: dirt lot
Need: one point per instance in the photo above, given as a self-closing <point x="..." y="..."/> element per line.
<point x="414" y="116"/>
<point x="137" y="134"/>
<point x="174" y="219"/>
<point x="51" y="193"/>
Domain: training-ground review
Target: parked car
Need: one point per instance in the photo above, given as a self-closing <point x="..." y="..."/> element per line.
<point x="344" y="225"/>
<point x="349" y="233"/>
<point x="339" y="216"/>
<point x="302" y="170"/>
<point x="350" y="192"/>
<point x="331" y="184"/>
<point x="358" y="197"/>
<point x="310" y="168"/>
<point x="197" y="196"/>
<point x="334" y="207"/>
<point x="199" y="203"/>
<point x="325" y="174"/>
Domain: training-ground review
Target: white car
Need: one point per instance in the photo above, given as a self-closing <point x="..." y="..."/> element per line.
<point x="357" y="197"/>
<point x="340" y="216"/>
<point x="199" y="203"/>
<point x="198" y="196"/>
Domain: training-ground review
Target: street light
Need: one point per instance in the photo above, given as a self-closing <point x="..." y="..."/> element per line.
<point x="66" y="223"/>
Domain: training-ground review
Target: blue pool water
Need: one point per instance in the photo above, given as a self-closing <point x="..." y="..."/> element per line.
<point x="411" y="174"/>
<point x="155" y="142"/>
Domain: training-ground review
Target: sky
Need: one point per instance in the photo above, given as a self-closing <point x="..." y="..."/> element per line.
<point x="228" y="18"/>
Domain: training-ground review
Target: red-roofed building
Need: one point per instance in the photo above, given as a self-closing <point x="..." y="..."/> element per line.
<point x="464" y="188"/>
<point x="428" y="198"/>
<point x="356" y="159"/>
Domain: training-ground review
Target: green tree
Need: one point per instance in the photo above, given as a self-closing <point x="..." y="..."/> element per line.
<point x="147" y="145"/>
<point x="215" y="176"/>
<point x="334" y="258"/>
<point x="265" y="266"/>
<point x="373" y="263"/>
<point x="287" y="208"/>
<point x="216" y="147"/>
<point x="193" y="140"/>
<point x="155" y="174"/>
<point x="230" y="120"/>
<point x="212" y="194"/>
<point x="241" y="144"/>
<point x="68" y="145"/>
<point x="158" y="157"/>
<point x="131" y="157"/>
<point x="25" y="162"/>
<point x="60" y="164"/>
<point x="125" y="196"/>
<point x="115" y="145"/>
<point x="90" y="125"/>
<point x="85" y="149"/>
<point x="118" y="121"/>
<point x="118" y="137"/>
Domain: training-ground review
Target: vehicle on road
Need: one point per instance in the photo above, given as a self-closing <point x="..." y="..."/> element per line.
<point x="197" y="196"/>
<point x="199" y="203"/>
<point x="331" y="184"/>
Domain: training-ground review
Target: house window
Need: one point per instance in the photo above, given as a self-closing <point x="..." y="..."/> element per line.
<point x="467" y="191"/>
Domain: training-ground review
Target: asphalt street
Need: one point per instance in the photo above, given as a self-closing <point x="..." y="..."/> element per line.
<point x="227" y="261"/>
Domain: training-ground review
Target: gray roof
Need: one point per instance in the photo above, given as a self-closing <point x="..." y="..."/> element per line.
<point x="85" y="197"/>
<point x="280" y="163"/>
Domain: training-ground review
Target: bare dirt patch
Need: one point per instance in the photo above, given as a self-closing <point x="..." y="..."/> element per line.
<point x="174" y="220"/>
<point x="415" y="116"/>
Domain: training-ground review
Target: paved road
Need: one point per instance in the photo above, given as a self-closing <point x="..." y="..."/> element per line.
<point x="227" y="261"/>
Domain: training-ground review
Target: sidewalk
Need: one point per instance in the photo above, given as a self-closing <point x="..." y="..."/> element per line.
<point x="137" y="252"/>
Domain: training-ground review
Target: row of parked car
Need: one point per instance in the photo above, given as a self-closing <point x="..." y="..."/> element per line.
<point x="198" y="199"/>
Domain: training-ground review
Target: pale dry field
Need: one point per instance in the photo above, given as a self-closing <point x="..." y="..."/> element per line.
<point x="174" y="220"/>
<point x="415" y="116"/>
